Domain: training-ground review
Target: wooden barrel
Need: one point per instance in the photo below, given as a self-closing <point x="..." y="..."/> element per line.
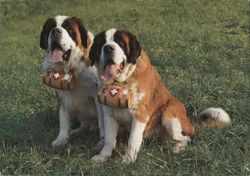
<point x="59" y="80"/>
<point x="116" y="96"/>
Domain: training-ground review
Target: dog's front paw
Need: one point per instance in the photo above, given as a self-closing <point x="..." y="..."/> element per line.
<point x="99" y="158"/>
<point x="127" y="159"/>
<point x="59" y="142"/>
<point x="179" y="148"/>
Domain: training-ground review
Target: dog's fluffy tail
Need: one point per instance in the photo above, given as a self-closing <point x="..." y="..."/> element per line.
<point x="214" y="117"/>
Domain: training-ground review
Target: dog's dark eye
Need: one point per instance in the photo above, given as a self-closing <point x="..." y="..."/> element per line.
<point x="70" y="31"/>
<point x="122" y="45"/>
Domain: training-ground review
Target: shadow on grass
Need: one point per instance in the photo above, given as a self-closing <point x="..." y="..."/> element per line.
<point x="33" y="129"/>
<point x="39" y="129"/>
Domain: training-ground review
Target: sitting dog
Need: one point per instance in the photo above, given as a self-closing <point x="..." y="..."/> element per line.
<point x="119" y="58"/>
<point x="67" y="43"/>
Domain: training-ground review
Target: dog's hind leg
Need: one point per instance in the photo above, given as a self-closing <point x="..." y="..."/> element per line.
<point x="174" y="129"/>
<point x="177" y="124"/>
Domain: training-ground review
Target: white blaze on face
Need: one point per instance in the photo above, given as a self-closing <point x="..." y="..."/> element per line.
<point x="66" y="41"/>
<point x="118" y="57"/>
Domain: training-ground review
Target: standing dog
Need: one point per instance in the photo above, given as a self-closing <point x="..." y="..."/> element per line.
<point x="67" y="43"/>
<point x="119" y="57"/>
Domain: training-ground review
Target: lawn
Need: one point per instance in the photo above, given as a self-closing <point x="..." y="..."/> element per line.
<point x="201" y="50"/>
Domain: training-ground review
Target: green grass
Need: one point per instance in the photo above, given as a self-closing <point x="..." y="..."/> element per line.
<point x="200" y="48"/>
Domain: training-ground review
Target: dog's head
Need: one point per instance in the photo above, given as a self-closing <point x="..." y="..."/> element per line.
<point x="62" y="37"/>
<point x="115" y="54"/>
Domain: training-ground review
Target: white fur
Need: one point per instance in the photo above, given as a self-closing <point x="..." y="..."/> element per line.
<point x="63" y="135"/>
<point x="174" y="129"/>
<point x="91" y="36"/>
<point x="110" y="35"/>
<point x="218" y="114"/>
<point x="137" y="98"/>
<point x="80" y="102"/>
<point x="60" y="19"/>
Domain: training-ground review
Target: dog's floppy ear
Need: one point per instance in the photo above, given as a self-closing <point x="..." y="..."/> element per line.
<point x="129" y="44"/>
<point x="82" y="30"/>
<point x="47" y="27"/>
<point x="95" y="50"/>
<point x="134" y="49"/>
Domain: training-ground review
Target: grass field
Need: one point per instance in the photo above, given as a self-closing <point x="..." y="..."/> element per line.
<point x="200" y="48"/>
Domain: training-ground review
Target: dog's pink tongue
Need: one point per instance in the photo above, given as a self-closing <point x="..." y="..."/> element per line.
<point x="56" y="56"/>
<point x="110" y="71"/>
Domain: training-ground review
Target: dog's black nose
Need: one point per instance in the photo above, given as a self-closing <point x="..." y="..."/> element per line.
<point x="108" y="49"/>
<point x="57" y="31"/>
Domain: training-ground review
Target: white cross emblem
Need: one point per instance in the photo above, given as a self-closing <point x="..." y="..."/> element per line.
<point x="113" y="92"/>
<point x="56" y="75"/>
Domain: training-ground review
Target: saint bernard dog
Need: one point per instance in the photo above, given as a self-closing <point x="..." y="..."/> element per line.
<point x="119" y="57"/>
<point x="67" y="43"/>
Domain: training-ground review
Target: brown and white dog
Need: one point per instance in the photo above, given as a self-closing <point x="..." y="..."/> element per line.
<point x="67" y="43"/>
<point x="118" y="56"/>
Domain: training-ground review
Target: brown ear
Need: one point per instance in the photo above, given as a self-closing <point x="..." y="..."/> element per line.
<point x="129" y="44"/>
<point x="135" y="49"/>
<point x="95" y="50"/>
<point x="47" y="27"/>
<point x="82" y="30"/>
